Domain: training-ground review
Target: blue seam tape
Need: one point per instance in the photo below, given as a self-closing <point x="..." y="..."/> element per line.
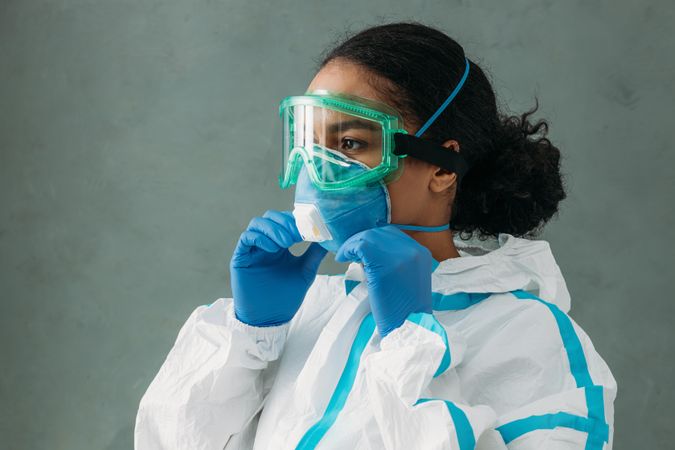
<point x="350" y="285"/>
<point x="429" y="322"/>
<point x="599" y="432"/>
<point x="515" y="429"/>
<point x="459" y="300"/>
<point x="344" y="385"/>
<point x="571" y="342"/>
<point x="465" y="435"/>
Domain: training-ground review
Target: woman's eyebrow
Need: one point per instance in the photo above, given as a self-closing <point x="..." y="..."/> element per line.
<point x="353" y="124"/>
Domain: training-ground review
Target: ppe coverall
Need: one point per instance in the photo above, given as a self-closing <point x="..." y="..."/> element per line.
<point x="498" y="365"/>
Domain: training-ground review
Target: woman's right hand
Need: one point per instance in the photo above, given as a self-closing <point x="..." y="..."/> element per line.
<point x="269" y="283"/>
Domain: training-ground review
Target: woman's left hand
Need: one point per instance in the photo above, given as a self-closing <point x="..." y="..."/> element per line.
<point x="398" y="272"/>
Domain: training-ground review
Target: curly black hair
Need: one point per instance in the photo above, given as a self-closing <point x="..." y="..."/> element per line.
<point x="514" y="184"/>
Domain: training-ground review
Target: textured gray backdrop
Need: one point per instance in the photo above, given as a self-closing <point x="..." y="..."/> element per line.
<point x="139" y="137"/>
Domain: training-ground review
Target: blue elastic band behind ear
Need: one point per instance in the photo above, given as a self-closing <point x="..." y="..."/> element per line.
<point x="446" y="102"/>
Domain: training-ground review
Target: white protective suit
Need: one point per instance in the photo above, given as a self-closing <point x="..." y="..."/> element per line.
<point x="499" y="365"/>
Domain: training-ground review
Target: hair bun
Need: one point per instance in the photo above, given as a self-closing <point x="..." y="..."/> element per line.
<point x="516" y="187"/>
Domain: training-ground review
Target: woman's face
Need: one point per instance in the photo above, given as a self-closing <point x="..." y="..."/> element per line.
<point x="419" y="196"/>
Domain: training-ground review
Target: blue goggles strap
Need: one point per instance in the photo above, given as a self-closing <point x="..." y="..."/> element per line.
<point x="446" y="102"/>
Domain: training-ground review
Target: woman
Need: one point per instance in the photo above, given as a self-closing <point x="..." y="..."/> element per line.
<point x="397" y="151"/>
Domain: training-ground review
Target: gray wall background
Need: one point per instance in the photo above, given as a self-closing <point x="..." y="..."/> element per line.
<point x="139" y="137"/>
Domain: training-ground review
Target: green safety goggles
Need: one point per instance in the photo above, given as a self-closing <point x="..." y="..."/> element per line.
<point x="345" y="141"/>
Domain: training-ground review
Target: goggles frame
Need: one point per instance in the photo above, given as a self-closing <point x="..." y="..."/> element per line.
<point x="387" y="118"/>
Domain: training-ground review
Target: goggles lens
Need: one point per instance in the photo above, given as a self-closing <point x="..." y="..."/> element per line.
<point x="340" y="146"/>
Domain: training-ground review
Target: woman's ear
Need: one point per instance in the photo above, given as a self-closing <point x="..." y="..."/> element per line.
<point x="442" y="179"/>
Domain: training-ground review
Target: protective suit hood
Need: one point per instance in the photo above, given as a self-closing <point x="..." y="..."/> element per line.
<point x="504" y="264"/>
<point x="497" y="264"/>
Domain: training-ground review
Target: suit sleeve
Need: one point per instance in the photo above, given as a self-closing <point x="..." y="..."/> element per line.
<point x="211" y="383"/>
<point x="398" y="377"/>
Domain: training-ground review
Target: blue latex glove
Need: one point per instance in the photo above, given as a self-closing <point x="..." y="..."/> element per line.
<point x="398" y="273"/>
<point x="269" y="283"/>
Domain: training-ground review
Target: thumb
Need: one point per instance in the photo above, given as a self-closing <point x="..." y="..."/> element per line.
<point x="313" y="256"/>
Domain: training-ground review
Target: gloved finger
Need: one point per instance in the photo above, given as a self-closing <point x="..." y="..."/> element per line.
<point x="286" y="220"/>
<point x="353" y="249"/>
<point x="272" y="230"/>
<point x="253" y="238"/>
<point x="313" y="256"/>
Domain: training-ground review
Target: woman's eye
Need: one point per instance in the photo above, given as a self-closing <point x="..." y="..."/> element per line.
<point x="352" y="144"/>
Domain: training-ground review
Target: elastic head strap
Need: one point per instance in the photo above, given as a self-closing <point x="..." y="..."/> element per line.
<point x="446" y="102"/>
<point x="407" y="144"/>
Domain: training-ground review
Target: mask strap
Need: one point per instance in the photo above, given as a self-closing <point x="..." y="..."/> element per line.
<point x="446" y="102"/>
<point x="421" y="228"/>
<point x="413" y="145"/>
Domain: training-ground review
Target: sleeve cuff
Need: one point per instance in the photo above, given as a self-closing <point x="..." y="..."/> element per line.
<point x="406" y="333"/>
<point x="265" y="342"/>
<point x="259" y="333"/>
